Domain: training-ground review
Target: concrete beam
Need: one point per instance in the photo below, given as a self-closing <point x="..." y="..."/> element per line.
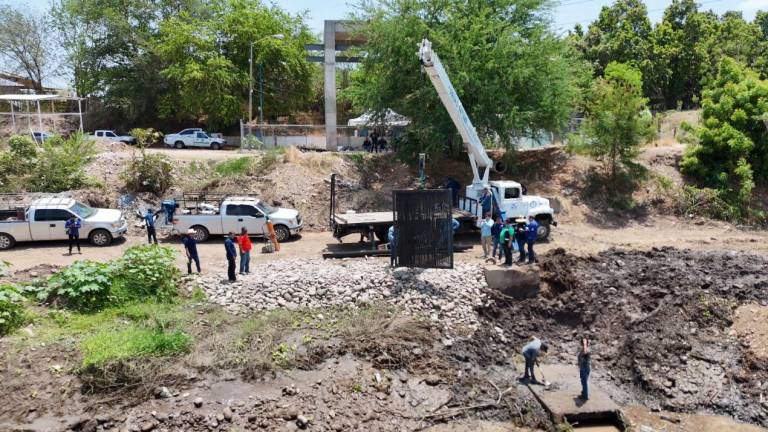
<point x="329" y="39"/>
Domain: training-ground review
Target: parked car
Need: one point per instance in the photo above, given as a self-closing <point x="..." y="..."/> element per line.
<point x="39" y="137"/>
<point x="44" y="220"/>
<point x="217" y="215"/>
<point x="112" y="136"/>
<point x="194" y="138"/>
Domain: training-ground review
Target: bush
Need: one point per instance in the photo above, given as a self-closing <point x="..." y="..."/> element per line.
<point x="145" y="137"/>
<point x="17" y="163"/>
<point x="149" y="271"/>
<point x="61" y="164"/>
<point x="148" y="173"/>
<point x="704" y="202"/>
<point x="12" y="315"/>
<point x="235" y="167"/>
<point x="84" y="285"/>
<point x="134" y="342"/>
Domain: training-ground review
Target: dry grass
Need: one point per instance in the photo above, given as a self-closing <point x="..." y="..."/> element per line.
<point x="314" y="161"/>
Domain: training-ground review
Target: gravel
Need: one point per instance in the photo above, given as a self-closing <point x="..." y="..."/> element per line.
<point x="446" y="297"/>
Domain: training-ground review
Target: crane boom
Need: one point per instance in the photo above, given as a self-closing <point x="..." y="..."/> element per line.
<point x="478" y="157"/>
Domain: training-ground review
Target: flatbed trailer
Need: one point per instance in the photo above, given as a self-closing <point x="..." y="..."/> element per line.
<point x="376" y="224"/>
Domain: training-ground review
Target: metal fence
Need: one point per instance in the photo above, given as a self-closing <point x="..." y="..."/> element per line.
<point x="258" y="136"/>
<point x="423" y="231"/>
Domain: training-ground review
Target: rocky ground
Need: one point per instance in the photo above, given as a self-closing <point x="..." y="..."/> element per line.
<point x="449" y="298"/>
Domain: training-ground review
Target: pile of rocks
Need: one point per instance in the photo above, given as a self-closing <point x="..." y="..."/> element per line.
<point x="447" y="297"/>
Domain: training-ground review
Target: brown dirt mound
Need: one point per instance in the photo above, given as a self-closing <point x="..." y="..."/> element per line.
<point x="659" y="323"/>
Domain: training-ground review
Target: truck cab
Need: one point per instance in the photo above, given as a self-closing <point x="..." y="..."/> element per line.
<point x="514" y="202"/>
<point x="112" y="136"/>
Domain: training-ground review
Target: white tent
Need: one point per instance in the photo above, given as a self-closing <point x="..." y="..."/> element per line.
<point x="390" y="118"/>
<point x="36" y="99"/>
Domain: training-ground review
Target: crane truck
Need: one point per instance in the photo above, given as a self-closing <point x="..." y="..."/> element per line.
<point x="512" y="198"/>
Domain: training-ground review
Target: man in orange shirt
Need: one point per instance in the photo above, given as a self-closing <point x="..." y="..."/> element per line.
<point x="244" y="244"/>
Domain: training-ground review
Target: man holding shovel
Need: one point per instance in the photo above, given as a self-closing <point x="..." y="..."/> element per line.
<point x="531" y="354"/>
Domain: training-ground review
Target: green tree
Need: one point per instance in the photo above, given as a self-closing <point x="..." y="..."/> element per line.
<point x="510" y="71"/>
<point x="620" y="34"/>
<point x="617" y="120"/>
<point x="731" y="153"/>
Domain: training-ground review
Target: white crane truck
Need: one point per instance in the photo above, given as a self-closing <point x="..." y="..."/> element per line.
<point x="512" y="199"/>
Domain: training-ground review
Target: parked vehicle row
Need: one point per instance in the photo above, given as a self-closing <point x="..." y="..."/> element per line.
<point x="191" y="137"/>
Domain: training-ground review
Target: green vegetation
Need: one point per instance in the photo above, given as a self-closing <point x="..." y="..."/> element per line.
<point x="617" y="121"/>
<point x="84" y="285"/>
<point x="730" y="154"/>
<point x="148" y="172"/>
<point x="513" y="74"/>
<point x="12" y="314"/>
<point x="149" y="271"/>
<point x="134" y="342"/>
<point x="236" y="167"/>
<point x="144" y="272"/>
<point x="182" y="59"/>
<point x="678" y="56"/>
<point x="58" y="166"/>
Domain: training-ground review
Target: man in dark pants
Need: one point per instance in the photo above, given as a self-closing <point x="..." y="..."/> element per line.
<point x="532" y="232"/>
<point x="190" y="247"/>
<point x="585" y="367"/>
<point x="229" y="245"/>
<point x="505" y="238"/>
<point x="531" y="354"/>
<point x="149" y="220"/>
<point x="72" y="226"/>
<point x="521" y="235"/>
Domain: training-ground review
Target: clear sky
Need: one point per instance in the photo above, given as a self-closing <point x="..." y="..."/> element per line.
<point x="565" y="15"/>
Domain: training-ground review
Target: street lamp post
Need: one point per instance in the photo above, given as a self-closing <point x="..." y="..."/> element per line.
<point x="250" y="67"/>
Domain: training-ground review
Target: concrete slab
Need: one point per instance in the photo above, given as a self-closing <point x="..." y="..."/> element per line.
<point x="519" y="282"/>
<point x="561" y="398"/>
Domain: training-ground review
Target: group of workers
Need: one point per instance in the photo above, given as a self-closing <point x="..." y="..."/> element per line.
<point x="374" y="143"/>
<point x="535" y="347"/>
<point x="244" y="247"/>
<point x="508" y="236"/>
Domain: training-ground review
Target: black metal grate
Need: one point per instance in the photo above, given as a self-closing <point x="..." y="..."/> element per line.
<point x="423" y="232"/>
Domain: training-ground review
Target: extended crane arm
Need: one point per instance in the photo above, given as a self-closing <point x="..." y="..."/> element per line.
<point x="478" y="157"/>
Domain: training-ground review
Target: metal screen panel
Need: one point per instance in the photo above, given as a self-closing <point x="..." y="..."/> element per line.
<point x="423" y="232"/>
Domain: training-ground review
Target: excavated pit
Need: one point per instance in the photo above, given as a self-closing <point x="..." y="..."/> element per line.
<point x="660" y="324"/>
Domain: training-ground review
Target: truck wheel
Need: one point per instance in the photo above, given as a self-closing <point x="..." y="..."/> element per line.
<point x="179" y="144"/>
<point x="543" y="232"/>
<point x="282" y="233"/>
<point x="201" y="233"/>
<point x="6" y="241"/>
<point x="215" y="146"/>
<point x="100" y="237"/>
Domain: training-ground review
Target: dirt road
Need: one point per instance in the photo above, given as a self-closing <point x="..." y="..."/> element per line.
<point x="580" y="239"/>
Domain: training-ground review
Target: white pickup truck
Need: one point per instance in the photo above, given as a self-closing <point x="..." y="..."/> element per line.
<point x="194" y="137"/>
<point x="233" y="213"/>
<point x="112" y="136"/>
<point x="44" y="220"/>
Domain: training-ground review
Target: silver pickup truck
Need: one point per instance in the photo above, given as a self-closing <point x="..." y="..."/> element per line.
<point x="230" y="214"/>
<point x="44" y="220"/>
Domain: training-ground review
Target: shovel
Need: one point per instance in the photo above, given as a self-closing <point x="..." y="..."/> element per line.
<point x="543" y="378"/>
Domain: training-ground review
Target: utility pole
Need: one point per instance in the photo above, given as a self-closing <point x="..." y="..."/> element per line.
<point x="250" y="74"/>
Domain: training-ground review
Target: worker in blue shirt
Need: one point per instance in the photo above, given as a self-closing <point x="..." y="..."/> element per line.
<point x="495" y="233"/>
<point x="72" y="227"/>
<point x="532" y="231"/>
<point x="190" y="248"/>
<point x="149" y="220"/>
<point x="486" y="200"/>
<point x="455" y="225"/>
<point x="229" y="246"/>
<point x="392" y="245"/>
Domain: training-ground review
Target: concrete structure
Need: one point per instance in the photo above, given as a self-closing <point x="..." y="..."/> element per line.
<point x="560" y="400"/>
<point x="338" y="36"/>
